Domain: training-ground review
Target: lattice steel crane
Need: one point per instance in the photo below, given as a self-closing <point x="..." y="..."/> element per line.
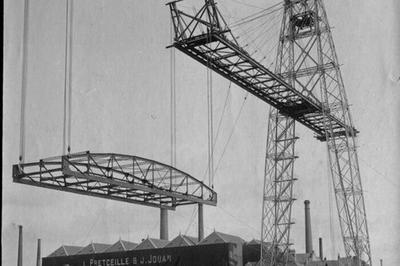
<point x="306" y="87"/>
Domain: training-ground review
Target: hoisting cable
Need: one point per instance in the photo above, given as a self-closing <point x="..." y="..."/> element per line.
<point x="257" y="15"/>
<point x="223" y="113"/>
<point x="232" y="131"/>
<point x="210" y="116"/>
<point x="173" y="98"/>
<point x="246" y="4"/>
<point x="70" y="36"/>
<point x="219" y="125"/>
<point x="67" y="79"/>
<point x="230" y="134"/>
<point x="191" y="220"/>
<point x="210" y="128"/>
<point x="23" y="81"/>
<point x="256" y="32"/>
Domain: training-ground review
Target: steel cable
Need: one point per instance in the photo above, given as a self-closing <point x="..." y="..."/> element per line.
<point x="23" y="81"/>
<point x="70" y="40"/>
<point x="67" y="78"/>
<point x="173" y="99"/>
<point x="231" y="134"/>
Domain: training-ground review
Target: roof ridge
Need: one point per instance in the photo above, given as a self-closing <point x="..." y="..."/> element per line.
<point x="122" y="243"/>
<point x="224" y="236"/>
<point x="65" y="250"/>
<point x="151" y="241"/>
<point x="219" y="234"/>
<point x="186" y="239"/>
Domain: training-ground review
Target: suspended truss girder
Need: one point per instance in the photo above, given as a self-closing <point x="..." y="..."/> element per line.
<point x="141" y="181"/>
<point x="218" y="50"/>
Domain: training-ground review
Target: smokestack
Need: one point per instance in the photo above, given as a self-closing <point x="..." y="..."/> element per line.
<point x="321" y="251"/>
<point x="164" y="224"/>
<point x="200" y="222"/>
<point x="19" y="262"/>
<point x="38" y="257"/>
<point x="309" y="247"/>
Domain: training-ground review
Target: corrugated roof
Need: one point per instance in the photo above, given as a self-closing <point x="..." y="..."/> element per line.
<point x="121" y="245"/>
<point x="150" y="243"/>
<point x="218" y="237"/>
<point x="192" y="239"/>
<point x="182" y="241"/>
<point x="58" y="252"/>
<point x="129" y="245"/>
<point x="72" y="250"/>
<point x="231" y="238"/>
<point x="93" y="248"/>
<point x="65" y="251"/>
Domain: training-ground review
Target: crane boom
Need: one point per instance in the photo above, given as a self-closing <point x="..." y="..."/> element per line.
<point x="218" y="50"/>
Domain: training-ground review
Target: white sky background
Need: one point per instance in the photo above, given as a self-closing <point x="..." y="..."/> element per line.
<point x="121" y="104"/>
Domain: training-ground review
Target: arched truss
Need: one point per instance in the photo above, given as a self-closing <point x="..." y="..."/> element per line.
<point x="116" y="176"/>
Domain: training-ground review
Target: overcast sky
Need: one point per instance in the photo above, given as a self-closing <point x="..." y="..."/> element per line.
<point x="121" y="104"/>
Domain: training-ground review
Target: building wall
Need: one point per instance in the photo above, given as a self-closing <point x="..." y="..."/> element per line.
<point x="207" y="255"/>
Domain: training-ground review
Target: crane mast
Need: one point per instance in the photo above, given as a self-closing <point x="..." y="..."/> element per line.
<point x="306" y="87"/>
<point x="306" y="58"/>
<point x="276" y="219"/>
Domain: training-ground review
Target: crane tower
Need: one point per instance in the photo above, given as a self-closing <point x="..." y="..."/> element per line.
<point x="307" y="60"/>
<point x="306" y="87"/>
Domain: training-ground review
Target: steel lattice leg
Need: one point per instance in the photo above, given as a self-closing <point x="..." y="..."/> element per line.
<point x="278" y="189"/>
<point x="279" y="165"/>
<point x="342" y="149"/>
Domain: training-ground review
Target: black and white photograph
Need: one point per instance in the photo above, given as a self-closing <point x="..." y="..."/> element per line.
<point x="201" y="133"/>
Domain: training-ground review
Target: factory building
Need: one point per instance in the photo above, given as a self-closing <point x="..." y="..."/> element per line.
<point x="217" y="249"/>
